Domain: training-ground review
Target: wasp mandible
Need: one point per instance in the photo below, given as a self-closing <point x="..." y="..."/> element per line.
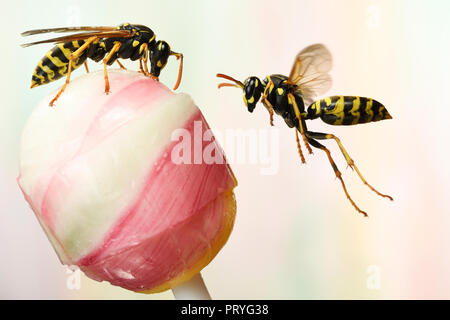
<point x="287" y="97"/>
<point x="126" y="41"/>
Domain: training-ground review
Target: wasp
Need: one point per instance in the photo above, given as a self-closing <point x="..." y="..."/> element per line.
<point x="126" y="41"/>
<point x="288" y="96"/>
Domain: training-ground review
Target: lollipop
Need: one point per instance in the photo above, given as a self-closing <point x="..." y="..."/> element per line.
<point x="117" y="186"/>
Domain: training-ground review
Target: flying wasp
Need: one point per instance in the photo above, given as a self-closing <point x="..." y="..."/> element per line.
<point x="287" y="97"/>
<point x="126" y="41"/>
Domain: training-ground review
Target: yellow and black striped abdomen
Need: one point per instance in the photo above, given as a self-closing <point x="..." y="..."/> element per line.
<point x="347" y="110"/>
<point x="55" y="63"/>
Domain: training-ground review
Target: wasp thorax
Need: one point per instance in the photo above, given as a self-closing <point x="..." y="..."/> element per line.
<point x="252" y="92"/>
<point x="159" y="56"/>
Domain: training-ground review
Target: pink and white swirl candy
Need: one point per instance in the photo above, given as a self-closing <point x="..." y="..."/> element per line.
<point x="98" y="172"/>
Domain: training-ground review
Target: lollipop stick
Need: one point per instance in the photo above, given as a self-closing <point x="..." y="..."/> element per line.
<point x="194" y="289"/>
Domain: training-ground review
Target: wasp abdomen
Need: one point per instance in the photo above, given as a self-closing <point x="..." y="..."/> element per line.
<point x="347" y="110"/>
<point x="54" y="64"/>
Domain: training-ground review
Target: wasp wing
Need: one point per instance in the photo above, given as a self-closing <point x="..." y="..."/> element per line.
<point x="85" y="35"/>
<point x="313" y="87"/>
<point x="310" y="72"/>
<point x="66" y="29"/>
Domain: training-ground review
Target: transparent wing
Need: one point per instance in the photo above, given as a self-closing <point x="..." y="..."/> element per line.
<point x="317" y="85"/>
<point x="84" y="35"/>
<point x="310" y="72"/>
<point x="66" y="29"/>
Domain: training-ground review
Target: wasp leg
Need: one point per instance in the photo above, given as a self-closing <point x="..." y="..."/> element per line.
<point x="140" y="65"/>
<point x="266" y="102"/>
<point x="299" y="148"/>
<point x="114" y="49"/>
<point x="350" y="162"/>
<point x="291" y="100"/>
<point x="269" y="106"/>
<point x="179" y="56"/>
<point x="145" y="60"/>
<point x="86" y="66"/>
<point x="316" y="144"/>
<point x="146" y="69"/>
<point x="121" y="65"/>
<point x="75" y="55"/>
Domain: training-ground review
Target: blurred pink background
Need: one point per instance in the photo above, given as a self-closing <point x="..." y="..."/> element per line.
<point x="296" y="235"/>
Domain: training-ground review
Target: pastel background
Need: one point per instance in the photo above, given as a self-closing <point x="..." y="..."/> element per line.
<point x="296" y="236"/>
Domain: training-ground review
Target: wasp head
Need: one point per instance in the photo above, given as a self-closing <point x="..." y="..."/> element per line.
<point x="158" y="57"/>
<point x="252" y="88"/>
<point x="159" y="54"/>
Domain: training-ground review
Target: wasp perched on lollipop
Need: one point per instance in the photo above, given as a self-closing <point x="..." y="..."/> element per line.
<point x="126" y="41"/>
<point x="288" y="96"/>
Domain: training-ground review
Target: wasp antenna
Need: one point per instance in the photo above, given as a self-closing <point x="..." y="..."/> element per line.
<point x="179" y="56"/>
<point x="220" y="85"/>
<point x="237" y="84"/>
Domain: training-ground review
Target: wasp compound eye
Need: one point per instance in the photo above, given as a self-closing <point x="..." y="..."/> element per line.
<point x="252" y="92"/>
